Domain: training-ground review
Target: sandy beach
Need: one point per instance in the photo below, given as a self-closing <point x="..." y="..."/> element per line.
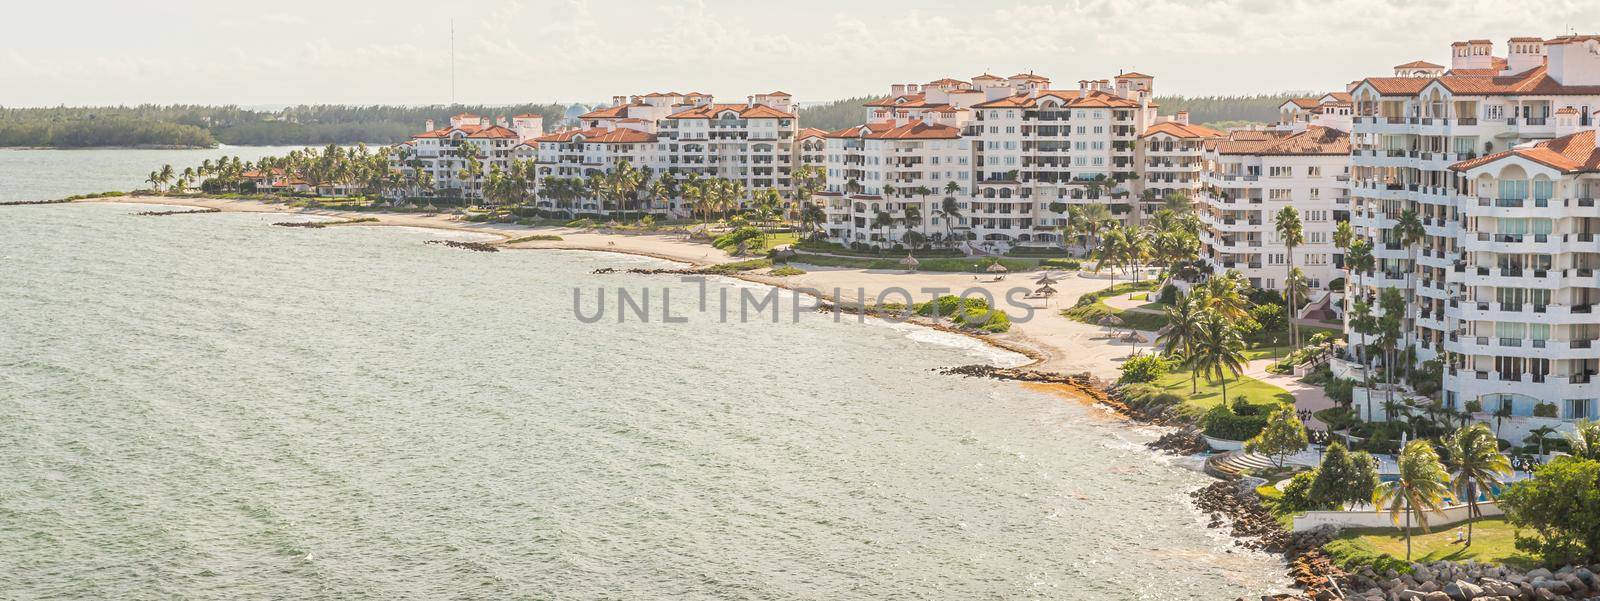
<point x="1054" y="342"/>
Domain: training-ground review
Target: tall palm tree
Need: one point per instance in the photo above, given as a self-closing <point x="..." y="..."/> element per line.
<point x="1292" y="234"/>
<point x="165" y="175"/>
<point x="1475" y="464"/>
<point x="1184" y="320"/>
<point x="1420" y="487"/>
<point x="950" y="211"/>
<point x="1360" y="261"/>
<point x="1225" y="295"/>
<point x="1218" y="351"/>
<point x="1409" y="232"/>
<point x="1343" y="235"/>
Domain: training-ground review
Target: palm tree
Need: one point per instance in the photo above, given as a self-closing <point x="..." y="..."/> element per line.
<point x="812" y="217"/>
<point x="165" y="175"/>
<point x="1409" y="232"/>
<point x="883" y="220"/>
<point x="1343" y="235"/>
<point x="154" y="180"/>
<point x="1389" y="329"/>
<point x="1420" y="487"/>
<point x="1184" y="320"/>
<point x="1360" y="261"/>
<point x="950" y="211"/>
<point x="1475" y="464"/>
<point x="1218" y="351"/>
<point x="912" y="218"/>
<point x="1292" y="234"/>
<point x="1585" y="439"/>
<point x="1224" y="295"/>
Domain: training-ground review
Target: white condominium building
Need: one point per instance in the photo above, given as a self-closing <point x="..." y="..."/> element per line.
<point x="1251" y="176"/>
<point x="754" y="143"/>
<point x="442" y="152"/>
<point x="1503" y="275"/>
<point x="1012" y="152"/>
<point x="1172" y="157"/>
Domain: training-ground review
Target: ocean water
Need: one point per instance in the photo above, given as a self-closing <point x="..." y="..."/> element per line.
<point x="45" y="174"/>
<point x="209" y="407"/>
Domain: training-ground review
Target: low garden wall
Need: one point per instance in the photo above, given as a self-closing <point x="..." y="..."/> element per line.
<point x="1449" y="516"/>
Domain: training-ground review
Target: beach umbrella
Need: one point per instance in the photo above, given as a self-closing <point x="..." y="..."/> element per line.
<point x="1046" y="280"/>
<point x="1045" y="290"/>
<point x="784" y="254"/>
<point x="1110" y="321"/>
<point x="996" y="267"/>
<point x="910" y="262"/>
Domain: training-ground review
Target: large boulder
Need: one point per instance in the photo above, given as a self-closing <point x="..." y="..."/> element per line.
<point x="1462" y="590"/>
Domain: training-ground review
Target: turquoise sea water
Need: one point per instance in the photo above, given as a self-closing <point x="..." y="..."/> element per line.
<point x="208" y="407"/>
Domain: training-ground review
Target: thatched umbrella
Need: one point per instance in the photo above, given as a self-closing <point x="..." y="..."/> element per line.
<point x="997" y="269"/>
<point x="784" y="255"/>
<point x="1110" y="321"/>
<point x="1046" y="280"/>
<point x="1045" y="291"/>
<point x="911" y="263"/>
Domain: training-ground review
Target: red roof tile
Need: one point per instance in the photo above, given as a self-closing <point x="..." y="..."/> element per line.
<point x="1568" y="154"/>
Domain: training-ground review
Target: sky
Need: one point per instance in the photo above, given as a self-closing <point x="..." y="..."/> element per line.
<point x="80" y="52"/>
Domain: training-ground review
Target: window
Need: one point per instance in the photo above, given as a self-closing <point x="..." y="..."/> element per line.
<point x="1495" y="111"/>
<point x="1514" y="188"/>
<point x="1578" y="408"/>
<point x="1543" y="189"/>
<point x="1314" y="171"/>
<point x="1278" y="194"/>
<point x="1280" y="171"/>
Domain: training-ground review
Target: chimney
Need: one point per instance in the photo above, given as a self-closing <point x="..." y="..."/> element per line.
<point x="502" y="122"/>
<point x="1183" y="117"/>
<point x="1523" y="54"/>
<point x="428" y="125"/>
<point x="1472" y="54"/>
<point x="750" y="100"/>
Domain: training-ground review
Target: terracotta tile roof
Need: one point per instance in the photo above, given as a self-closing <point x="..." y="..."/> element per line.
<point x="466" y="116"/>
<point x="621" y="135"/>
<point x="779" y="93"/>
<point x="1134" y="75"/>
<point x="985" y="76"/>
<point x="1182" y="130"/>
<point x="1418" y="65"/>
<point x="1535" y="81"/>
<point x="1073" y="98"/>
<point x="612" y="112"/>
<point x="1305" y="103"/>
<point x="1397" y="86"/>
<point x="855" y="132"/>
<point x="1568" y="154"/>
<point x="1571" y="39"/>
<point x="1340" y="97"/>
<point x="810" y="132"/>
<point x="1315" y="140"/>
<point x="917" y="130"/>
<point x="1030" y="77"/>
<point x="494" y="132"/>
<point x="1497" y="65"/>
<point x="904" y="100"/>
<point x="947" y="82"/>
<point x="1527" y="39"/>
<point x="711" y="111"/>
<point x="528" y="116"/>
<point x="444" y="132"/>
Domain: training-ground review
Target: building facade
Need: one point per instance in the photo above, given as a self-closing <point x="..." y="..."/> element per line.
<point x="1012" y="153"/>
<point x="1250" y="177"/>
<point x="1490" y="156"/>
<point x="460" y="156"/>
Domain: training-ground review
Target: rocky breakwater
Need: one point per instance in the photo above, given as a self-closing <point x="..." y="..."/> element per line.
<point x="1453" y="581"/>
<point x="1095" y="389"/>
<point x="1234" y="504"/>
<point x="483" y="247"/>
<point x="322" y="224"/>
<point x="181" y="212"/>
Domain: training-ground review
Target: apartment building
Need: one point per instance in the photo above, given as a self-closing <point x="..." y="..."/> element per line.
<point x="1250" y="176"/>
<point x="1493" y="155"/>
<point x="442" y="152"/>
<point x="1012" y="151"/>
<point x="754" y="143"/>
<point x="1173" y="161"/>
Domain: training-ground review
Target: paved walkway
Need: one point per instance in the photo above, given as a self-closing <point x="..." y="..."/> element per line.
<point x="1307" y="397"/>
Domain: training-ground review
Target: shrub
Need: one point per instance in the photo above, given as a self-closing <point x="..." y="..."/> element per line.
<point x="1220" y="422"/>
<point x="1545" y="410"/>
<point x="738" y="235"/>
<point x="536" y="238"/>
<point x="1144" y="368"/>
<point x="1169" y="294"/>
<point x="1061" y="263"/>
<point x="787" y="271"/>
<point x="1297" y="493"/>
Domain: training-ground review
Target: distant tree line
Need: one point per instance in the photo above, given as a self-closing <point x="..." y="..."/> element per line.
<point x="206" y="126"/>
<point x="1229" y="110"/>
<point x="835" y="115"/>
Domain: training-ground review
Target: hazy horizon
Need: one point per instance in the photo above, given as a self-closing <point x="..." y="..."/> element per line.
<point x="521" y="51"/>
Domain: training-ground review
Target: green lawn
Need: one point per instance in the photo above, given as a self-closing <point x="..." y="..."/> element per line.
<point x="1493" y="540"/>
<point x="1255" y="391"/>
<point x="972" y="265"/>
